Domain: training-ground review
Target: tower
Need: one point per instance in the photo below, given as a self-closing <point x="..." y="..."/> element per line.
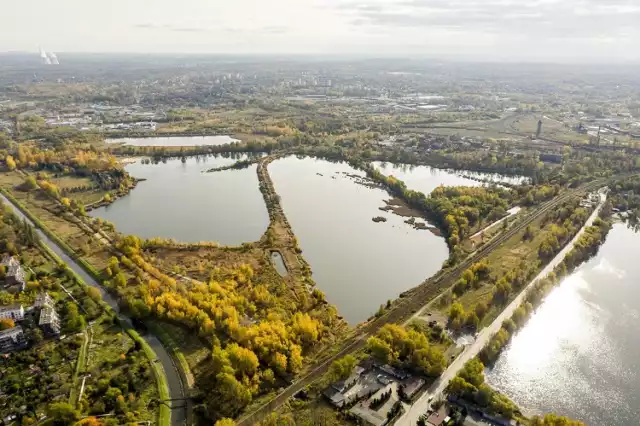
<point x="539" y="131"/>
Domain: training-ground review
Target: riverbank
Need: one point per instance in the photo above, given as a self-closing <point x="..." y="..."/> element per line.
<point x="484" y="336"/>
<point x="584" y="332"/>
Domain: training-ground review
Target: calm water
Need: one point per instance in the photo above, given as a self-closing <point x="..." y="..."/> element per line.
<point x="176" y="141"/>
<point x="358" y="263"/>
<point x="425" y="179"/>
<point x="278" y="263"/>
<point x="579" y="354"/>
<point x="178" y="201"/>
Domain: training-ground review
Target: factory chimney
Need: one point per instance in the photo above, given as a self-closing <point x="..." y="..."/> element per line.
<point x="539" y="131"/>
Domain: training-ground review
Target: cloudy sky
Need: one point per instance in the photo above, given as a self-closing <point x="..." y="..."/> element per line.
<point x="545" y="30"/>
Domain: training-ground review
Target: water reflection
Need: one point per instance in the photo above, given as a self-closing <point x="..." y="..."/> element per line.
<point x="178" y="201"/>
<point x="425" y="179"/>
<point x="358" y="263"/>
<point x="578" y="354"/>
<point x="278" y="263"/>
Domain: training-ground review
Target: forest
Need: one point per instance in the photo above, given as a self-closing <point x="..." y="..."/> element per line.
<point x="258" y="336"/>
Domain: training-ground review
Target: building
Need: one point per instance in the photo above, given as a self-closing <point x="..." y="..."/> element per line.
<point x="49" y="321"/>
<point x="12" y="312"/>
<point x="12" y="339"/>
<point x="439" y="417"/>
<point x="374" y="391"/>
<point x="15" y="274"/>
<point x="43" y="299"/>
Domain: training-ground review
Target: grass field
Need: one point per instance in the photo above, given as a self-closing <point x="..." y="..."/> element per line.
<point x="55" y="219"/>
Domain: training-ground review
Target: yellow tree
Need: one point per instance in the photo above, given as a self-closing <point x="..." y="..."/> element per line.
<point x="6" y="323"/>
<point x="11" y="163"/>
<point x="225" y="422"/>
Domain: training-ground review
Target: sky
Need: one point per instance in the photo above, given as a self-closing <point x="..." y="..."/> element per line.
<point x="520" y="30"/>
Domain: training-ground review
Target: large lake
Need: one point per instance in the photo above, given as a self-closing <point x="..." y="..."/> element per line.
<point x="357" y="263"/>
<point x="579" y="353"/>
<point x="178" y="201"/>
<point x="175" y="141"/>
<point x="425" y="179"/>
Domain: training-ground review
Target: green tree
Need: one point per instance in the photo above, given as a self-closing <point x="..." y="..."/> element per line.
<point x="380" y="350"/>
<point x="341" y="368"/>
<point x="62" y="414"/>
<point x="227" y="398"/>
<point x="456" y="311"/>
<point x="94" y="294"/>
<point x="74" y="321"/>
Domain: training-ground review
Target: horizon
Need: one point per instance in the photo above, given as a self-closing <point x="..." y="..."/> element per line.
<point x="495" y="30"/>
<point x="449" y="59"/>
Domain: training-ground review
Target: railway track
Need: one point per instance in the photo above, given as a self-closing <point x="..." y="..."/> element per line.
<point x="412" y="301"/>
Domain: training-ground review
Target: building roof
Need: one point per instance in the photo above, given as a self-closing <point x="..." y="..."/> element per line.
<point x="11" y="333"/>
<point x="412" y="385"/>
<point x="43" y="299"/>
<point x="48" y="315"/>
<point x="438" y="417"/>
<point x="13" y="268"/>
<point x="9" y="261"/>
<point x="11" y="308"/>
<point x="395" y="372"/>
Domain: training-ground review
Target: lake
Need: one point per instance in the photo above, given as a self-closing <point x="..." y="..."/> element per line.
<point x="578" y="354"/>
<point x="175" y="141"/>
<point x="357" y="263"/>
<point x="425" y="179"/>
<point x="178" y="201"/>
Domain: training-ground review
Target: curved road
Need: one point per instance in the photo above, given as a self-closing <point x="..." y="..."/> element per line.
<point x="421" y="405"/>
<point x="176" y="390"/>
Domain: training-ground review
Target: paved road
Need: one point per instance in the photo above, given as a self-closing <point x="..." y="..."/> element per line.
<point x="413" y="413"/>
<point x="176" y="390"/>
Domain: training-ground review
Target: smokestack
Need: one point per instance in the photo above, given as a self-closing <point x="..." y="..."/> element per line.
<point x="53" y="58"/>
<point x="539" y="130"/>
<point x="44" y="59"/>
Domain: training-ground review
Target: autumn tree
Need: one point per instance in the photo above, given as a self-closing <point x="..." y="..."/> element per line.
<point x="89" y="421"/>
<point x="6" y="323"/>
<point x="11" y="163"/>
<point x="225" y="422"/>
<point x="243" y="360"/>
<point x="94" y="294"/>
<point x="380" y="349"/>
<point x="227" y="398"/>
<point x="341" y="368"/>
<point x="62" y="413"/>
